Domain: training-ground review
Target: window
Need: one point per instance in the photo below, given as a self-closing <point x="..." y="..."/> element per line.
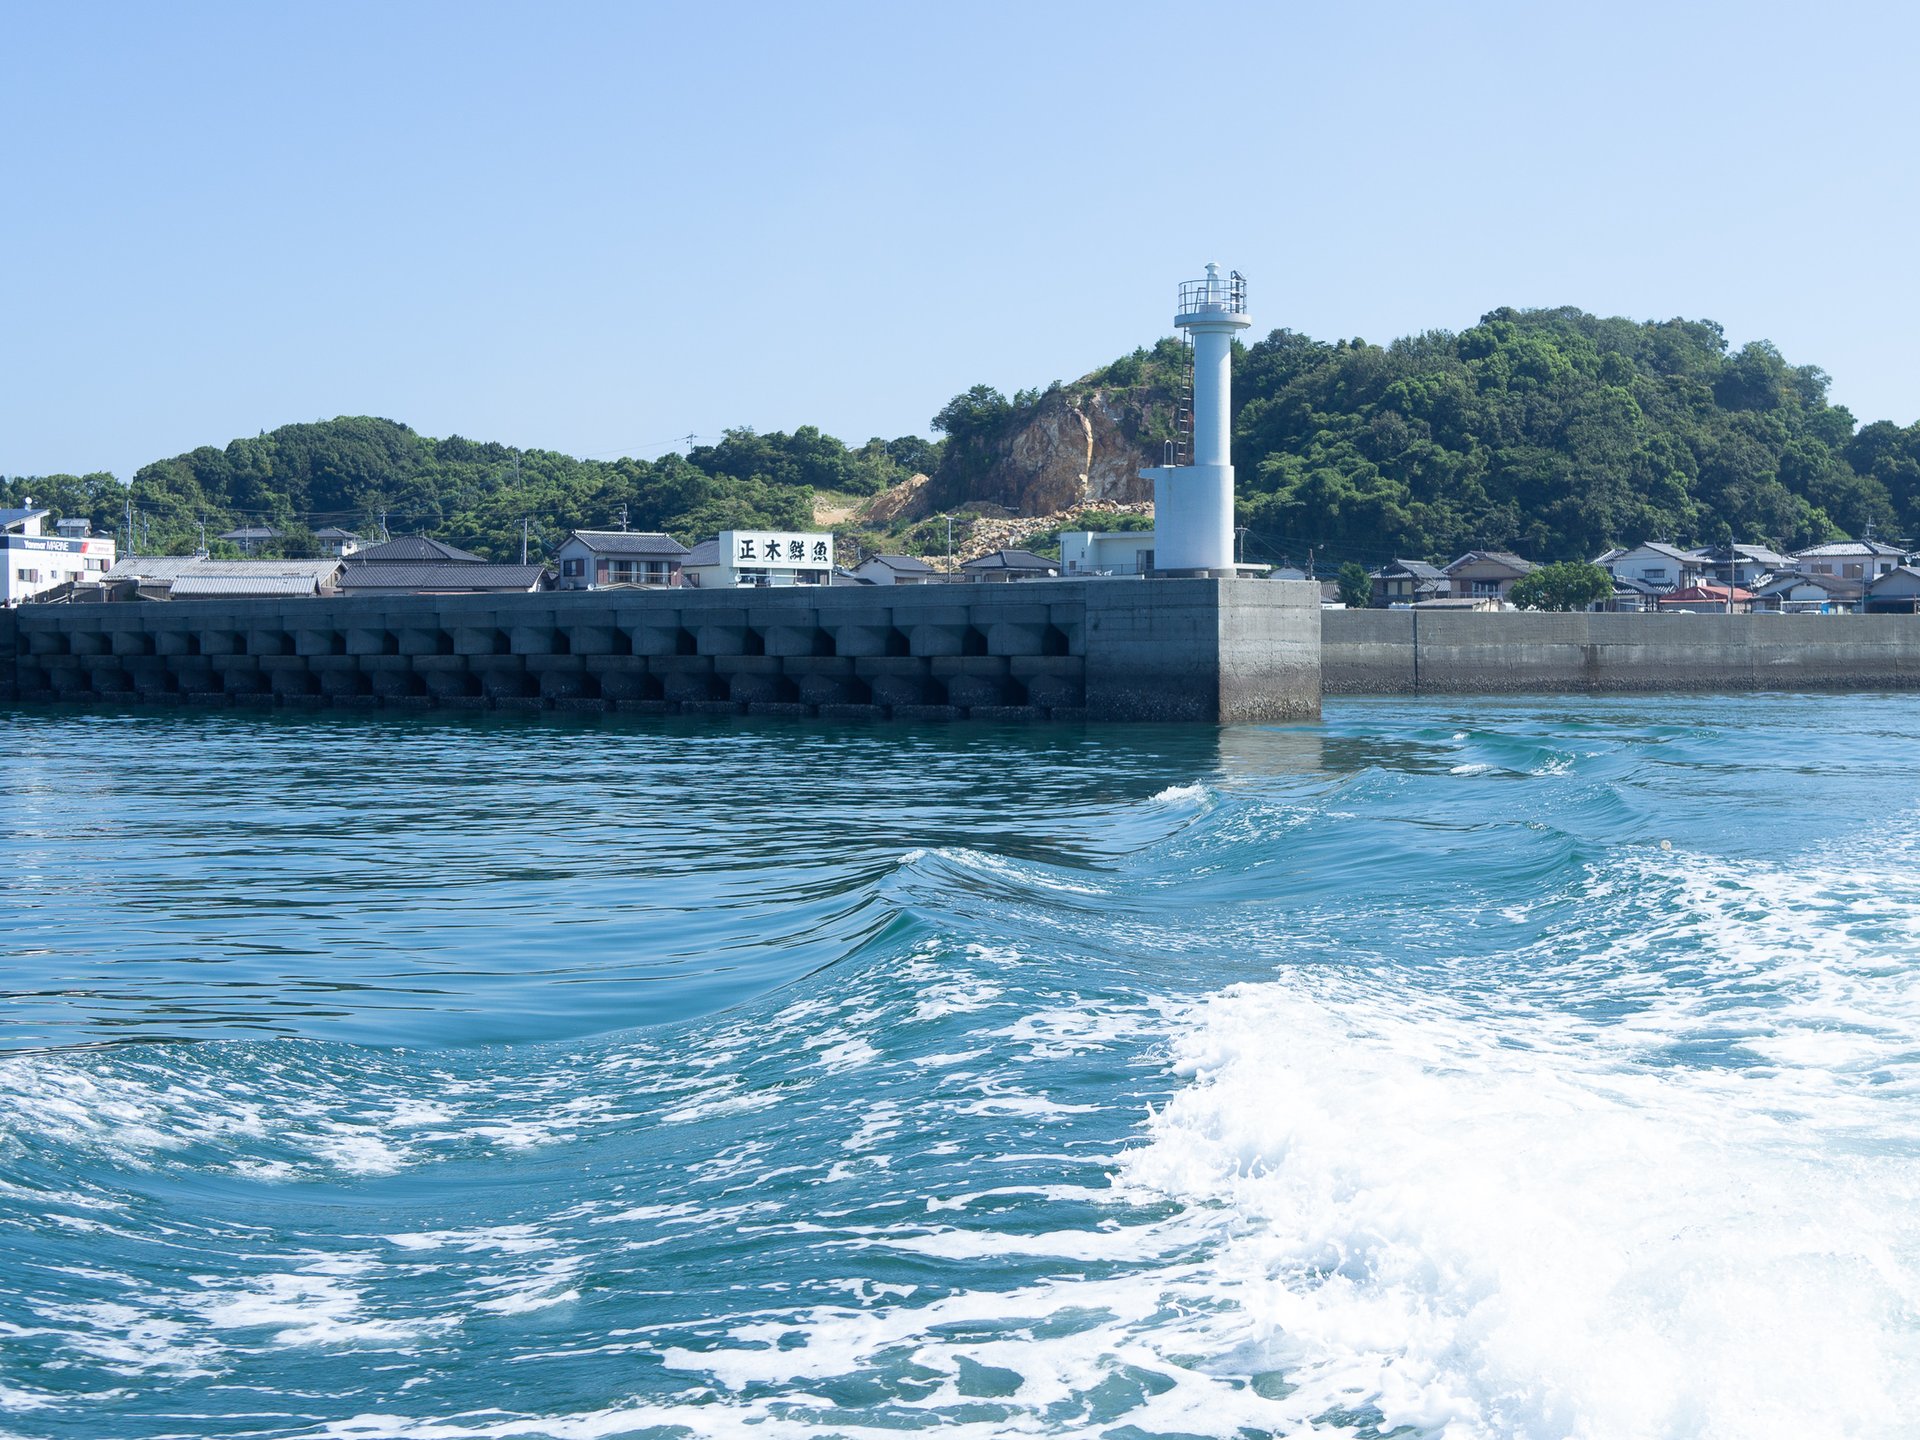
<point x="1852" y="572"/>
<point x="573" y="569"/>
<point x="1821" y="567"/>
<point x="32" y="577"/>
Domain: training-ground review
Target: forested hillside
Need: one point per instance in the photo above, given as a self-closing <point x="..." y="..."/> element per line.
<point x="1551" y="432"/>
<point x="357" y="470"/>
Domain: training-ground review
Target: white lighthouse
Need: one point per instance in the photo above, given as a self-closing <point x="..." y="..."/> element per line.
<point x="1193" y="491"/>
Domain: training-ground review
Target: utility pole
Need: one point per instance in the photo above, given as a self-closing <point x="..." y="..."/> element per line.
<point x="525" y="522"/>
<point x="623" y="516"/>
<point x="1240" y="544"/>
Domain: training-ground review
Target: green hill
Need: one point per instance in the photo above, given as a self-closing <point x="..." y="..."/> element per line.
<point x="1550" y="432"/>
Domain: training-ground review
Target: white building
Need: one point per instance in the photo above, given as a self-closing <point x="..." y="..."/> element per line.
<point x="893" y="570"/>
<point x="36" y="563"/>
<point x="761" y="557"/>
<point x="1663" y="567"/>
<point x="1850" y="559"/>
<point x="1106" y="552"/>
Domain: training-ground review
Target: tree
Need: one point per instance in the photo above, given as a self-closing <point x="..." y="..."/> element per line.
<point x="1568" y="585"/>
<point x="1356" y="586"/>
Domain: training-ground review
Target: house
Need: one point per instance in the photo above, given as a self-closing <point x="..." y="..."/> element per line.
<point x="338" y="542"/>
<point x="1749" y="564"/>
<point x="250" y="537"/>
<point x="414" y="550"/>
<point x="195" y="577"/>
<point x="1631" y="596"/>
<point x="761" y="558"/>
<point x="1407" y="582"/>
<point x="895" y="570"/>
<point x="444" y="578"/>
<point x="1106" y="552"/>
<point x="1002" y="565"/>
<point x="596" y="559"/>
<point x="1897" y="592"/>
<point x="1706" y="599"/>
<point x="32" y="563"/>
<point x="1657" y="564"/>
<point x="1459" y="602"/>
<point x="1792" y="593"/>
<point x="1850" y="559"/>
<point x="1486" y="573"/>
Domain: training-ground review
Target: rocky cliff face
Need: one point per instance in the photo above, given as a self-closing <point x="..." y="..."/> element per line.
<point x="1078" y="447"/>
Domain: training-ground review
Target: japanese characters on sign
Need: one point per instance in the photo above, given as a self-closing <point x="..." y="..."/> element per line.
<point x="776" y="550"/>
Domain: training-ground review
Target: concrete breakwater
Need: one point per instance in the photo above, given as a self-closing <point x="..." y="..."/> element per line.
<point x="1113" y="649"/>
<point x="1405" y="652"/>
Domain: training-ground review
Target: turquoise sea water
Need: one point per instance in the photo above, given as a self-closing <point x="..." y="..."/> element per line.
<point x="1533" y="1068"/>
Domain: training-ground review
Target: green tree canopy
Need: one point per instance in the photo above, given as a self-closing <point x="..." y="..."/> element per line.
<point x="1563" y="585"/>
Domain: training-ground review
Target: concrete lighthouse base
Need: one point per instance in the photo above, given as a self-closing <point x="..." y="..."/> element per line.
<point x="1196" y="651"/>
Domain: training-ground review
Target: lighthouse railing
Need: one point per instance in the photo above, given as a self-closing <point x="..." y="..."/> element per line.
<point x="1215" y="295"/>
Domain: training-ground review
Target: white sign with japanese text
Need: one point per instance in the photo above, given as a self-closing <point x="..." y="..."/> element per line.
<point x="776" y="550"/>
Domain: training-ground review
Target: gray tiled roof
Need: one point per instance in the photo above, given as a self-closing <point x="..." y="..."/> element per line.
<point x="1499" y="557"/>
<point x="630" y="542"/>
<point x="163" y="569"/>
<point x="1849" y="548"/>
<point x="363" y="579"/>
<point x="414" y="549"/>
<point x="10" y="518"/>
<point x="1011" y="560"/>
<point x="707" y="552"/>
<point x="197" y="587"/>
<point x="903" y="564"/>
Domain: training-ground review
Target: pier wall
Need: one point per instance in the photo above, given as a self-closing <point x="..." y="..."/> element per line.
<point x="1406" y="652"/>
<point x="1110" y="649"/>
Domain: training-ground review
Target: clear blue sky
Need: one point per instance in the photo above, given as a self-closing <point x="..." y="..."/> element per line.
<point x="597" y="227"/>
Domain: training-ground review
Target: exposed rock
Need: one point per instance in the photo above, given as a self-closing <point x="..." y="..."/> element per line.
<point x="1077" y="447"/>
<point x="909" y="500"/>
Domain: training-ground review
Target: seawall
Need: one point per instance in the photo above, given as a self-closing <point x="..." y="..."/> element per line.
<point x="1205" y="651"/>
<point x="1406" y="652"/>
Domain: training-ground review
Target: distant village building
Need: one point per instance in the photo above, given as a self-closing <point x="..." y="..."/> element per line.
<point x="895" y="570"/>
<point x="597" y="559"/>
<point x="443" y="578"/>
<point x="414" y="550"/>
<point x="1850" y="559"/>
<point x="195" y="577"/>
<point x="1748" y="564"/>
<point x="251" y="537"/>
<point x="1706" y="599"/>
<point x="761" y="558"/>
<point x="35" y="563"/>
<point x="1895" y="592"/>
<point x="1010" y="565"/>
<point x="1106" y="552"/>
<point x="341" y="543"/>
<point x="1407" y="582"/>
<point x="1486" y="573"/>
<point x="1796" y="594"/>
<point x="1656" y="565"/>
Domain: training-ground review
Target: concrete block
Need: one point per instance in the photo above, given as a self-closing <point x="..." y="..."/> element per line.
<point x="481" y="640"/>
<point x="533" y="639"/>
<point x="425" y="640"/>
<point x="596" y="640"/>
<point x="365" y="640"/>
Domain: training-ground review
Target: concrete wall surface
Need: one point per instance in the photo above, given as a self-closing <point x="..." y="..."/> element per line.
<point x="1403" y="652"/>
<point x="1111" y="649"/>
